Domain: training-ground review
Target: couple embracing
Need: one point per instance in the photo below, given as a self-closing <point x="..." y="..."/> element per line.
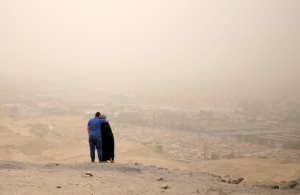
<point x="101" y="138"/>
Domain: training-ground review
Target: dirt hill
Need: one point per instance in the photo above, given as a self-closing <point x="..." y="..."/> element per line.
<point x="108" y="178"/>
<point x="50" y="155"/>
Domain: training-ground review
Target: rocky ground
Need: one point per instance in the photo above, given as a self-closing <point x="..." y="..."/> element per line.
<point x="50" y="155"/>
<point x="108" y="178"/>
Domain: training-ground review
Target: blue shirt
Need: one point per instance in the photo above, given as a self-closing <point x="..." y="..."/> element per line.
<point x="95" y="126"/>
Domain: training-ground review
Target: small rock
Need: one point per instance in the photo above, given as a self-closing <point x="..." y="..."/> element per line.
<point x="292" y="183"/>
<point x="87" y="174"/>
<point x="164" y="186"/>
<point x="236" y="181"/>
<point x="160" y="179"/>
<point x="226" y="178"/>
<point x="58" y="186"/>
<point x="272" y="186"/>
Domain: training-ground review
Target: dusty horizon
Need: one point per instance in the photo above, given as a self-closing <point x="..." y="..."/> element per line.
<point x="210" y="46"/>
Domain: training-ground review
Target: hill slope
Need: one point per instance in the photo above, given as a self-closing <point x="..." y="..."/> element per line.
<point x="108" y="178"/>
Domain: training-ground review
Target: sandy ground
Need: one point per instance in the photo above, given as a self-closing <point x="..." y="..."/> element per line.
<point x="49" y="155"/>
<point x="107" y="178"/>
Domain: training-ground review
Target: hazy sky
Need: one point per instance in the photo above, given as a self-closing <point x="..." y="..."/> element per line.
<point x="209" y="43"/>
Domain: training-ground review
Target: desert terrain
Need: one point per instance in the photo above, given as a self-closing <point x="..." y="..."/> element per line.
<point x="49" y="154"/>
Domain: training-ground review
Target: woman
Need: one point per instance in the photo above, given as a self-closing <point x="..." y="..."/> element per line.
<point x="108" y="142"/>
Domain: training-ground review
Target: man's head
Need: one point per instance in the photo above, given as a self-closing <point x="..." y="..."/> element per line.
<point x="98" y="114"/>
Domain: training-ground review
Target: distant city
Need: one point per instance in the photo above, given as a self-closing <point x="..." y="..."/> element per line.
<point x="212" y="127"/>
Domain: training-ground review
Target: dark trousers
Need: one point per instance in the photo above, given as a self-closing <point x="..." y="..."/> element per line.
<point x="95" y="143"/>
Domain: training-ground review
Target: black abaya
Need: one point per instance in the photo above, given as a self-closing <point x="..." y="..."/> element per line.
<point x="108" y="142"/>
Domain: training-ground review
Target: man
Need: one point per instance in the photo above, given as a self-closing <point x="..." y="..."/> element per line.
<point x="95" y="140"/>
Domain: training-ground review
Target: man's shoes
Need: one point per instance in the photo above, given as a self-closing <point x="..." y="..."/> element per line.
<point x="92" y="161"/>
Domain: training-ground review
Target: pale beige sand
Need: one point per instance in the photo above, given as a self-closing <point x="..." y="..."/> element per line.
<point x="63" y="139"/>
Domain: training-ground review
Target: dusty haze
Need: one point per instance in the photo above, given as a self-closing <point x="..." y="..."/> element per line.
<point x="224" y="47"/>
<point x="204" y="86"/>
